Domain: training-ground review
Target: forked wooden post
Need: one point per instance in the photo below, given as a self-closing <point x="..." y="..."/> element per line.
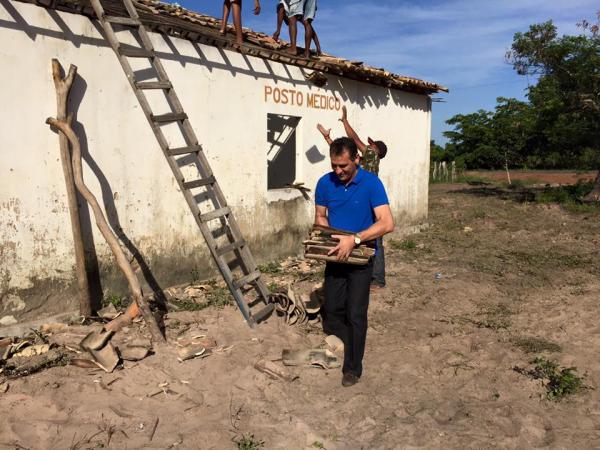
<point x="134" y="285"/>
<point x="63" y="87"/>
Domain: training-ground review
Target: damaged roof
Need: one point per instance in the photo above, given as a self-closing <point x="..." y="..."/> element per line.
<point x="176" y="21"/>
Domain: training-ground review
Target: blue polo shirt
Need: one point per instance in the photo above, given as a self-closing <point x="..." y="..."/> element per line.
<point x="350" y="207"/>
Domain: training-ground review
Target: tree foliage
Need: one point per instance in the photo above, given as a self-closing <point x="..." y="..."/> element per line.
<point x="559" y="126"/>
<point x="436" y="151"/>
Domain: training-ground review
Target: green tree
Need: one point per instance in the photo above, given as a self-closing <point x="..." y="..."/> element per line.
<point x="470" y="141"/>
<point x="566" y="98"/>
<point x="492" y="140"/>
<point x="437" y="152"/>
<point x="512" y="125"/>
<point x="559" y="126"/>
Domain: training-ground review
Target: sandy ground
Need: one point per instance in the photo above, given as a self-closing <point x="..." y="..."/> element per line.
<point x="438" y="366"/>
<point x="536" y="176"/>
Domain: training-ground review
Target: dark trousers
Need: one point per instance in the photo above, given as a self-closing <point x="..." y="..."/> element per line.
<point x="379" y="265"/>
<point x="345" y="309"/>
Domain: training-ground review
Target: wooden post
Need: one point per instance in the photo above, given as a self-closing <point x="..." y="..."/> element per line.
<point x="63" y="86"/>
<point x="135" y="288"/>
<point x="506" y="167"/>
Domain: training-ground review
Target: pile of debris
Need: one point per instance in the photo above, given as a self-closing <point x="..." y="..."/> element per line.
<point x="298" y="299"/>
<point x="88" y="346"/>
<point x="324" y="358"/>
<point x="24" y="356"/>
<point x="105" y="355"/>
<point x="109" y="355"/>
<point x="298" y="309"/>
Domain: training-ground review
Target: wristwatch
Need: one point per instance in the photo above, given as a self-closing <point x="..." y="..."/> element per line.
<point x="357" y="240"/>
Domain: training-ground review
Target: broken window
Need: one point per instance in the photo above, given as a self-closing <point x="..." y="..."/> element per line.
<point x="281" y="153"/>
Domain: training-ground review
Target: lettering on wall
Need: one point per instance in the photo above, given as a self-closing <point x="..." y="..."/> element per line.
<point x="294" y="97"/>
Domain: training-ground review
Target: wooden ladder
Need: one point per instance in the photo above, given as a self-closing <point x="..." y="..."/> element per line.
<point x="192" y="151"/>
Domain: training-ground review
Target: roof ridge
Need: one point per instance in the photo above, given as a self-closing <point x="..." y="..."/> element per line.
<point x="195" y="26"/>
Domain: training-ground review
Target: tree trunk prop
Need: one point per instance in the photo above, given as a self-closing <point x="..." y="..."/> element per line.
<point x="63" y="87"/>
<point x="134" y="285"/>
<point x="594" y="195"/>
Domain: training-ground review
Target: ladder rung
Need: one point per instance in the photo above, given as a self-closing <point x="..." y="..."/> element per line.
<point x="169" y="117"/>
<point x="199" y="183"/>
<point x="184" y="150"/>
<point x="123" y="21"/>
<point x="215" y="214"/>
<point x="154" y="85"/>
<point x="230" y="247"/>
<point x="263" y="313"/>
<point x="247" y="279"/>
<point x="133" y="52"/>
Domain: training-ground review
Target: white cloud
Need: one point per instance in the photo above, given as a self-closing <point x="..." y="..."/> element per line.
<point x="462" y="41"/>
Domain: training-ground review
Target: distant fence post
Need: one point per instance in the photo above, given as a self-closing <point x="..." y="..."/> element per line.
<point x="443" y="171"/>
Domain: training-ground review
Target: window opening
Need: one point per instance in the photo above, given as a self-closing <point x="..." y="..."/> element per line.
<point x="281" y="153"/>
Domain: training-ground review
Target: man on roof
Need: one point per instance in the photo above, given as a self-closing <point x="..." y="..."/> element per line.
<point x="370" y="155"/>
<point x="304" y="10"/>
<point x="236" y="7"/>
<point x="283" y="8"/>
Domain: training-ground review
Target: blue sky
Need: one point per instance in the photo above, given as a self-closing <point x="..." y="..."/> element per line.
<point x="457" y="43"/>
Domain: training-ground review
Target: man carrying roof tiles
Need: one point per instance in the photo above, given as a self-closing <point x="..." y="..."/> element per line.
<point x="350" y="198"/>
<point x="371" y="154"/>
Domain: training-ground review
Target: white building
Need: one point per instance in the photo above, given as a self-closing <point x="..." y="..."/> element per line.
<point x="242" y="106"/>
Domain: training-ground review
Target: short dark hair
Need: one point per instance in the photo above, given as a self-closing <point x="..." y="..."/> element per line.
<point x="341" y="145"/>
<point x="382" y="149"/>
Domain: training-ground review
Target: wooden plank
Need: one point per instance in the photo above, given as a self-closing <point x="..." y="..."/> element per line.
<point x="184" y="150"/>
<point x="263" y="313"/>
<point x="365" y="248"/>
<point x="169" y="117"/>
<point x="154" y="85"/>
<point x="123" y="21"/>
<point x="199" y="183"/>
<point x="132" y="52"/>
<point x="353" y="261"/>
<point x="230" y="247"/>
<point x="359" y="252"/>
<point x="246" y="279"/>
<point x="215" y="214"/>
